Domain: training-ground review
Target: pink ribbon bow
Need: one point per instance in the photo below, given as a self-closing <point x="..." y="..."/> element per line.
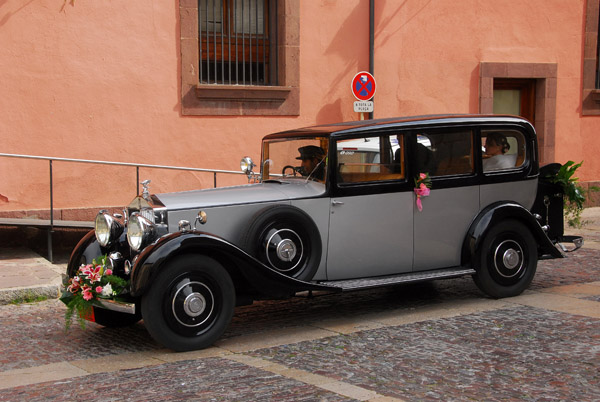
<point x="421" y="191"/>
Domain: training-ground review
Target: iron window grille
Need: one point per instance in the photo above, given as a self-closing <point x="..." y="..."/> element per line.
<point x="237" y="42"/>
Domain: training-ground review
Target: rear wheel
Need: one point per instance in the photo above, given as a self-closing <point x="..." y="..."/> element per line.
<point x="507" y="260"/>
<point x="190" y="304"/>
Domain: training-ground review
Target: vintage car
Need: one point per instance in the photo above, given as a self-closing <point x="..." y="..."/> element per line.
<point x="334" y="208"/>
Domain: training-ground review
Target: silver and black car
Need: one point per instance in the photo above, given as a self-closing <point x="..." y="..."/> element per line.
<point x="334" y="208"/>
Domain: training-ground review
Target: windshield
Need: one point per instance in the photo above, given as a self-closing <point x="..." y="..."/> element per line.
<point x="295" y="157"/>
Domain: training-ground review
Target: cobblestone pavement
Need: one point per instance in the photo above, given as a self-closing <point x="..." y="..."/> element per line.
<point x="440" y="340"/>
<point x="211" y="379"/>
<point x="484" y="356"/>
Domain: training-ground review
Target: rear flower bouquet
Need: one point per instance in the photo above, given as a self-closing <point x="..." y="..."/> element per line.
<point x="422" y="188"/>
<point x="91" y="282"/>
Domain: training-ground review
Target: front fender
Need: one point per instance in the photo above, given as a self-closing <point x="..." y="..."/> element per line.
<point x="84" y="252"/>
<point x="260" y="277"/>
<point x="89" y="249"/>
<point x="497" y="212"/>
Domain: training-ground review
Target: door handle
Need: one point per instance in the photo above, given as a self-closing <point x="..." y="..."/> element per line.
<point x="334" y="203"/>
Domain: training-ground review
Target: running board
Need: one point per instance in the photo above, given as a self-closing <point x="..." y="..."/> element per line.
<point x="365" y="283"/>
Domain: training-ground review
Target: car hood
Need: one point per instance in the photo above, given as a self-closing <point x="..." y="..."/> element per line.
<point x="272" y="190"/>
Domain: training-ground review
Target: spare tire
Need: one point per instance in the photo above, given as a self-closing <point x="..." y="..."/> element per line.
<point x="285" y="239"/>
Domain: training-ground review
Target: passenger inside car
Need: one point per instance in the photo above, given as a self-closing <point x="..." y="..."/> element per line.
<point x="496" y="157"/>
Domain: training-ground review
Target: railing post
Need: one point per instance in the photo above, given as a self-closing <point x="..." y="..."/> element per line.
<point x="137" y="181"/>
<point x="51" y="230"/>
<point x="215" y="179"/>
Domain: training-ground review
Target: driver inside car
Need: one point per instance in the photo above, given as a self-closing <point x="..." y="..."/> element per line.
<point x="312" y="164"/>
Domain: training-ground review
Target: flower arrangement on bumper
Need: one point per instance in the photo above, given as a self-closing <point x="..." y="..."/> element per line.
<point x="91" y="282"/>
<point x="422" y="188"/>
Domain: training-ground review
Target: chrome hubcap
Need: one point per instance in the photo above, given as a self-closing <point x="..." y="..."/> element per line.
<point x="511" y="258"/>
<point x="194" y="304"/>
<point x="508" y="259"/>
<point x="286" y="250"/>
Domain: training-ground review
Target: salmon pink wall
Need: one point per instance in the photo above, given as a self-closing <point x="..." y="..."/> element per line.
<point x="100" y="80"/>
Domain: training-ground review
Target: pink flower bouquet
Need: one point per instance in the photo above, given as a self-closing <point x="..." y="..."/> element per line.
<point x="91" y="282"/>
<point x="422" y="188"/>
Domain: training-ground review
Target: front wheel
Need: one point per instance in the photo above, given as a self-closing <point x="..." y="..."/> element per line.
<point x="190" y="304"/>
<point x="507" y="260"/>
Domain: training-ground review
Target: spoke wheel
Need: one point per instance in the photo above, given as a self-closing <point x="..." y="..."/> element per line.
<point x="507" y="260"/>
<point x="190" y="304"/>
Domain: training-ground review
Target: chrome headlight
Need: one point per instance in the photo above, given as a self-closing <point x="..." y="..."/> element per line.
<point x="107" y="228"/>
<point x="140" y="231"/>
<point x="246" y="165"/>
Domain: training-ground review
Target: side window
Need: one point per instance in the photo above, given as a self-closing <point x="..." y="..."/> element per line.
<point x="445" y="153"/>
<point x="370" y="159"/>
<point x="502" y="149"/>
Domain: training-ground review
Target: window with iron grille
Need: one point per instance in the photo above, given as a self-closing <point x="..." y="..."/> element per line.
<point x="237" y="44"/>
<point x="591" y="60"/>
<point x="240" y="57"/>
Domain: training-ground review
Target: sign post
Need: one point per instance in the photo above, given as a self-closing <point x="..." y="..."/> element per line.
<point x="363" y="88"/>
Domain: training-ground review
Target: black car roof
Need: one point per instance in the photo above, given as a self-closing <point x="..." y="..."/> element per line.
<point x="348" y="127"/>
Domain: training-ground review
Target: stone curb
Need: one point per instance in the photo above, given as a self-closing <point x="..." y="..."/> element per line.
<point x="20" y="294"/>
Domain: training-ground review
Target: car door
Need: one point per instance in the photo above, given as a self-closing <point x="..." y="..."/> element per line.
<point x="447" y="156"/>
<point x="371" y="217"/>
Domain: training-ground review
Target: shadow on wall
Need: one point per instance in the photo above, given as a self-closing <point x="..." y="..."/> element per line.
<point x="330" y="113"/>
<point x="356" y="26"/>
<point x="354" y="29"/>
<point x="4" y="19"/>
<point x="382" y="34"/>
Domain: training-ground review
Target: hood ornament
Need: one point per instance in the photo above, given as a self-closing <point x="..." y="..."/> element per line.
<point x="145" y="192"/>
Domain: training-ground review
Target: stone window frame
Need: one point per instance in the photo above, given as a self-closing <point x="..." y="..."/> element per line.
<point x="590" y="99"/>
<point x="545" y="76"/>
<point x="237" y="100"/>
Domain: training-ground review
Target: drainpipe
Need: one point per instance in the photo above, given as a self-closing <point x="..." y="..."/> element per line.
<point x="371" y="42"/>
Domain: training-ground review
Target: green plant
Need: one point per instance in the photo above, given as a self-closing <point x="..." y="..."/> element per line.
<point x="574" y="194"/>
<point x="28" y="298"/>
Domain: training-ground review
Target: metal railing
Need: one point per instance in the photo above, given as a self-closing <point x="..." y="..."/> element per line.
<point x="137" y="166"/>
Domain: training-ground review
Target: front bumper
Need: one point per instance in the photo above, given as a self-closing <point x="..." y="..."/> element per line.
<point x="114" y="305"/>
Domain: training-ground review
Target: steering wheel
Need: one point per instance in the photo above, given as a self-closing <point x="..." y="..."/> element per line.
<point x="286" y="167"/>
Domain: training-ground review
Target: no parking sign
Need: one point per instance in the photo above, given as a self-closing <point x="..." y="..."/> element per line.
<point x="363" y="86"/>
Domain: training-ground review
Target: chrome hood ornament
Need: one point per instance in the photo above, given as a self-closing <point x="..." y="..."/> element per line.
<point x="145" y="192"/>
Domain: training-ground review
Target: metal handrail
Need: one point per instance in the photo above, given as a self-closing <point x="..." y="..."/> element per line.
<point x="137" y="175"/>
<point x="97" y="162"/>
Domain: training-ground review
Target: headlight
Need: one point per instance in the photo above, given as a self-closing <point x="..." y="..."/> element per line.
<point x="140" y="231"/>
<point x="108" y="228"/>
<point x="246" y="165"/>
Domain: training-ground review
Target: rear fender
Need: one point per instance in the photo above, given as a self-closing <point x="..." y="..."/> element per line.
<point x="500" y="211"/>
<point x="240" y="264"/>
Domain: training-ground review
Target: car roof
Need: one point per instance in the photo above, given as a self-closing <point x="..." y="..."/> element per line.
<point x="339" y="129"/>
